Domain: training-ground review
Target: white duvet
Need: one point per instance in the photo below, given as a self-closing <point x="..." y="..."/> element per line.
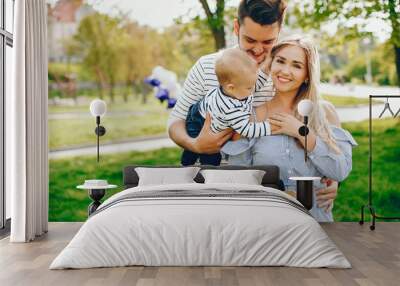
<point x="185" y="231"/>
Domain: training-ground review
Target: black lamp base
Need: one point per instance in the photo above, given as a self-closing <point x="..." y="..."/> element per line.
<point x="304" y="193"/>
<point x="304" y="190"/>
<point x="96" y="195"/>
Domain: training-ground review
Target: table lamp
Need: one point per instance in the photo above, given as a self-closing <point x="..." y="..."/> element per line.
<point x="304" y="185"/>
<point x="98" y="108"/>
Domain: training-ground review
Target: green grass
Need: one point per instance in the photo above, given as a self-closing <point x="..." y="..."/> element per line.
<point x="149" y="119"/>
<point x="69" y="204"/>
<point x="66" y="203"/>
<point x="347" y="101"/>
<point x="353" y="192"/>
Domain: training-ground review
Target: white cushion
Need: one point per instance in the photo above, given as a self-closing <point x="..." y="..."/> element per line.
<point x="166" y="176"/>
<point x="247" y="177"/>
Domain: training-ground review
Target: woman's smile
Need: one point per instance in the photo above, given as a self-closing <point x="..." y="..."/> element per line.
<point x="289" y="69"/>
<point x="283" y="79"/>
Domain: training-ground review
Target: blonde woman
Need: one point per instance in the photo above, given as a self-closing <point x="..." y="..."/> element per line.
<point x="294" y="68"/>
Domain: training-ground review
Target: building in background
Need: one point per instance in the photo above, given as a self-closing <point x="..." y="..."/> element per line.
<point x="63" y="20"/>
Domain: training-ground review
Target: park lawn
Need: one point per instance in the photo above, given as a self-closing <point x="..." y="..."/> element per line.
<point x="70" y="204"/>
<point x="353" y="192"/>
<point x="142" y="120"/>
<point x="75" y="132"/>
<point x="134" y="104"/>
<point x="347" y="101"/>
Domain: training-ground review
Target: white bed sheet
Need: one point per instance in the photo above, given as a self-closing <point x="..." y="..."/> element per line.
<point x="202" y="232"/>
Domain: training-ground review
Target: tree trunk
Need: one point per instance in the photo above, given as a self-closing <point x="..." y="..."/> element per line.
<point x="397" y="59"/>
<point x="99" y="81"/>
<point x="99" y="88"/>
<point x="126" y="89"/>
<point x="219" y="38"/>
<point x="216" y="22"/>
<point x="112" y="85"/>
<point x="134" y="93"/>
<point x="395" y="36"/>
<point x="144" y="98"/>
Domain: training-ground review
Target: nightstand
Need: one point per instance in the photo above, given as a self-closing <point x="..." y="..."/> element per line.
<point x="96" y="191"/>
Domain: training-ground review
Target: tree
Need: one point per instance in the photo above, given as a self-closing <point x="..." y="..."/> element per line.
<point x="313" y="13"/>
<point x="137" y="60"/>
<point x="98" y="40"/>
<point x="216" y="22"/>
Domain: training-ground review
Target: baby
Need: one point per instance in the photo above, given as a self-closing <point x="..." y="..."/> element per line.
<point x="229" y="105"/>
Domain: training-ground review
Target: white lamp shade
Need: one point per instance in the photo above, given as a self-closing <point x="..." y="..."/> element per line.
<point x="98" y="107"/>
<point x="305" y="107"/>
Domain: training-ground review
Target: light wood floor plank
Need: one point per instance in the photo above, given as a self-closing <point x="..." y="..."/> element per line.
<point x="374" y="255"/>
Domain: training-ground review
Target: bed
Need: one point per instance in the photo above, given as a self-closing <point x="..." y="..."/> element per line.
<point x="198" y="224"/>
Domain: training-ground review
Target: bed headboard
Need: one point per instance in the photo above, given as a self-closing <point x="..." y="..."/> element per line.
<point x="270" y="179"/>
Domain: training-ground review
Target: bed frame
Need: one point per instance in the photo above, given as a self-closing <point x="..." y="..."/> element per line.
<point x="270" y="179"/>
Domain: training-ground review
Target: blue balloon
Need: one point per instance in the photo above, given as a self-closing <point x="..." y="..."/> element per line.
<point x="152" y="81"/>
<point x="171" y="102"/>
<point x="162" y="94"/>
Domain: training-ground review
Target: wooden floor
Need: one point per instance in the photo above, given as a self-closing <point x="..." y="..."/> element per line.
<point x="374" y="255"/>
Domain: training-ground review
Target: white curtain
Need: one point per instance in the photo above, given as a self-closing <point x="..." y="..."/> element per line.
<point x="26" y="123"/>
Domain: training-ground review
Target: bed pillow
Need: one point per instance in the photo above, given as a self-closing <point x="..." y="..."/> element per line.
<point x="247" y="177"/>
<point x="166" y="176"/>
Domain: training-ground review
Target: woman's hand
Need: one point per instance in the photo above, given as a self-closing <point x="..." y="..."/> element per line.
<point x="326" y="197"/>
<point x="284" y="123"/>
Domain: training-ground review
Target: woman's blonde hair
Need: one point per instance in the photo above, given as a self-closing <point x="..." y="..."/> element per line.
<point x="310" y="88"/>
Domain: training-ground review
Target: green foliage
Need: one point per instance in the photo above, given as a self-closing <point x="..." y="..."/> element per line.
<point x="216" y="22"/>
<point x="60" y="70"/>
<point x="383" y="71"/>
<point x="98" y="41"/>
<point x="136" y="52"/>
<point x="211" y="27"/>
<point x="351" y="18"/>
<point x="114" y="50"/>
<point x="195" y="39"/>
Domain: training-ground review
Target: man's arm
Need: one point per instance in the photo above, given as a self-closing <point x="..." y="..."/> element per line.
<point x="207" y="142"/>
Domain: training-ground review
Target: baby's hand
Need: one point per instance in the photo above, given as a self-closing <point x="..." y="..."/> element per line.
<point x="235" y="136"/>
